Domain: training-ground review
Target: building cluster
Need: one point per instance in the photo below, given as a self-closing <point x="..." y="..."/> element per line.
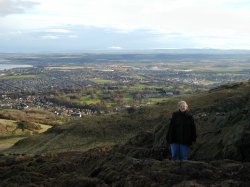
<point x="31" y="102"/>
<point x="26" y="87"/>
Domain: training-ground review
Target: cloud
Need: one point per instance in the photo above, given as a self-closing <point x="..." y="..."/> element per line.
<point x="8" y="7"/>
<point x="131" y="24"/>
<point x="115" y="48"/>
<point x="52" y="33"/>
<point x="58" y="31"/>
<point x="191" y="17"/>
<point x="72" y="36"/>
<point x="95" y="38"/>
<point x="50" y="37"/>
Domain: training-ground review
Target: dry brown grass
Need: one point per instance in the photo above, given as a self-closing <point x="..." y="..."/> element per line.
<point x="10" y="134"/>
<point x="33" y="115"/>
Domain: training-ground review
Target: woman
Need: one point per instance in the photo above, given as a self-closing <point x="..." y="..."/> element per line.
<point x="181" y="132"/>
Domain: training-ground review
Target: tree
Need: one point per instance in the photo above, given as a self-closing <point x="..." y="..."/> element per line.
<point x="24" y="125"/>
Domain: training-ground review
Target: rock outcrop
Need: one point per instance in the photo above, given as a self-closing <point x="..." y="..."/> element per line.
<point x="116" y="169"/>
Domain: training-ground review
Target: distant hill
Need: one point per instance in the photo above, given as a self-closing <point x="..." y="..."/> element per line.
<point x="121" y="56"/>
<point x="221" y="116"/>
<point x="181" y="51"/>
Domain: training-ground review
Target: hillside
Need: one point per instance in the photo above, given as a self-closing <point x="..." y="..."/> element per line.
<point x="103" y="169"/>
<point x="129" y="149"/>
<point x="19" y="124"/>
<point x="221" y="116"/>
<point x="12" y="131"/>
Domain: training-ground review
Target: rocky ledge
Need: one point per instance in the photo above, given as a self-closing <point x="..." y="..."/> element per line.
<point x="105" y="168"/>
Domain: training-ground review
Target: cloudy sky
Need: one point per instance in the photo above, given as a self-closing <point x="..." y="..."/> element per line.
<point x="77" y="25"/>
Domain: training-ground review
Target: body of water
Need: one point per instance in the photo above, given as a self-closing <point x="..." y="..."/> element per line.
<point x="11" y="66"/>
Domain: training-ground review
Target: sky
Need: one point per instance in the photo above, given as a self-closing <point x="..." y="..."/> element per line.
<point x="80" y="25"/>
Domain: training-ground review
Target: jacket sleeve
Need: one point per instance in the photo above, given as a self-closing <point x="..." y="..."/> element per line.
<point x="193" y="131"/>
<point x="170" y="129"/>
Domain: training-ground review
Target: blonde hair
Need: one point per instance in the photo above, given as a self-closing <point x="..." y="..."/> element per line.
<point x="182" y="102"/>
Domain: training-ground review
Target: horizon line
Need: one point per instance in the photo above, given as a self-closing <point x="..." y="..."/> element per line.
<point x="127" y="50"/>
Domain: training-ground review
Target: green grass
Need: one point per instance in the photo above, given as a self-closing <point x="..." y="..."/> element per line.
<point x="157" y="100"/>
<point x="127" y="97"/>
<point x="142" y="87"/>
<point x="88" y="100"/>
<point x="103" y="81"/>
<point x="12" y="77"/>
<point x="127" y="94"/>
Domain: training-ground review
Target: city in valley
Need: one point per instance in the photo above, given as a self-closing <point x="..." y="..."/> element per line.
<point x="102" y="83"/>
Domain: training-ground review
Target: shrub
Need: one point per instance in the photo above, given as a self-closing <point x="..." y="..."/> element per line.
<point x="24" y="125"/>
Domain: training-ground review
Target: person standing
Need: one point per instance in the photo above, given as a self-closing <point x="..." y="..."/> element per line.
<point x="181" y="132"/>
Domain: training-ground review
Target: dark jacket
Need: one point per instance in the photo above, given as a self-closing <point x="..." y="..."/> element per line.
<point x="182" y="128"/>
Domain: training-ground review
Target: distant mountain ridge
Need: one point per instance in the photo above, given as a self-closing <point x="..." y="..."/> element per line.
<point x="145" y="51"/>
<point x="177" y="51"/>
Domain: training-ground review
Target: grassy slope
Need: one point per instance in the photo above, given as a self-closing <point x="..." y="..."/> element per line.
<point x="9" y="134"/>
<point x="87" y="133"/>
<point x="90" y="132"/>
<point x="222" y="121"/>
<point x="30" y="115"/>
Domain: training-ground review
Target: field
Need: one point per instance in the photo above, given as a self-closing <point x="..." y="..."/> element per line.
<point x="10" y="133"/>
<point x="103" y="81"/>
<point x="120" y="95"/>
<point x="12" y="77"/>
